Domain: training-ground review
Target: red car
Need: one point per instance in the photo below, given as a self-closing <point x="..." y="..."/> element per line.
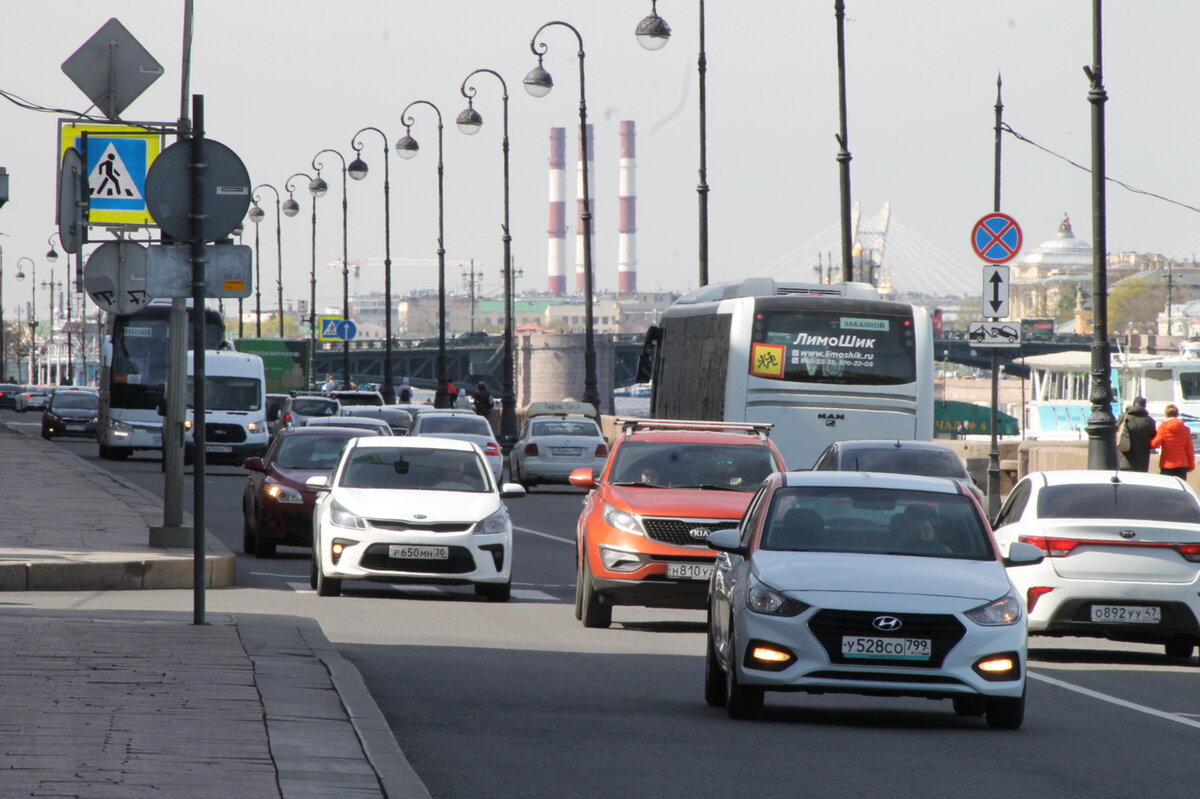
<point x="277" y="506"/>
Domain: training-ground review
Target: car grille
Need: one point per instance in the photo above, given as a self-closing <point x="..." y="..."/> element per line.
<point x="224" y="433"/>
<point x="828" y="626"/>
<point x="376" y="557"/>
<point x="403" y="527"/>
<point x="678" y="531"/>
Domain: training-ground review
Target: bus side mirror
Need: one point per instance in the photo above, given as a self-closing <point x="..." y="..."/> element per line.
<point x="161" y="408"/>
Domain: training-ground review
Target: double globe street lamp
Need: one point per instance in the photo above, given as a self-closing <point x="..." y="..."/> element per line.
<point x="32" y="313"/>
<point x="318" y="187"/>
<point x="290" y="208"/>
<point x="256" y="215"/>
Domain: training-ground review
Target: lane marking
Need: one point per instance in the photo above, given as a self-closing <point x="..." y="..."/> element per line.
<point x="527" y="594"/>
<point x="533" y="596"/>
<point x="1162" y="714"/>
<point x="545" y="535"/>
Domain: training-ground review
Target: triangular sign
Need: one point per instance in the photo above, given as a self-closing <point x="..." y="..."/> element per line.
<point x="110" y="177"/>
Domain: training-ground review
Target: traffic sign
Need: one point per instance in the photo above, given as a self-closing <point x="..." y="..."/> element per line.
<point x="335" y="328"/>
<point x="224" y="184"/>
<point x="996" y="238"/>
<point x="116" y="160"/>
<point x="112" y="68"/>
<point x="115" y="277"/>
<point x="72" y="201"/>
<point x="995" y="291"/>
<point x="227" y="270"/>
<point x="993" y="334"/>
<point x="347" y="330"/>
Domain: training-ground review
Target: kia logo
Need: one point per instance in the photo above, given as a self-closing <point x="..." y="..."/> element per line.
<point x="699" y="533"/>
<point x="887" y="624"/>
<point x="1127" y="534"/>
<point x="420" y="516"/>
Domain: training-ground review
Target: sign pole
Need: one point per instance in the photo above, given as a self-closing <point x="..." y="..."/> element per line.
<point x="993" y="488"/>
<point x="197" y="168"/>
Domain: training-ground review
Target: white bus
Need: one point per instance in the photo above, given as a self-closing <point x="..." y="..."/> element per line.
<point x="821" y="362"/>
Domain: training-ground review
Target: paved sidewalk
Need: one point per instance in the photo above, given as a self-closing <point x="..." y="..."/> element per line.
<point x="129" y="704"/>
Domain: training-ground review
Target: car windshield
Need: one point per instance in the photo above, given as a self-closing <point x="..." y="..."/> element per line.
<point x="472" y="425"/>
<point x="677" y="464"/>
<point x="84" y="400"/>
<point x="876" y="521"/>
<point x="222" y="393"/>
<point x="898" y="460"/>
<point x="311" y="452"/>
<point x="314" y="407"/>
<point x="1117" y="501"/>
<point x="416" y="469"/>
<point x="565" y="427"/>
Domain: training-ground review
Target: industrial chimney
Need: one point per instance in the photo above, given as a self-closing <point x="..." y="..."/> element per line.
<point x="556" y="280"/>
<point x="627" y="233"/>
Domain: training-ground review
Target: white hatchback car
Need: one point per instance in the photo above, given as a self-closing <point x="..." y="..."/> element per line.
<point x="462" y="426"/>
<point x="408" y="510"/>
<point x="866" y="583"/>
<point x="1123" y="555"/>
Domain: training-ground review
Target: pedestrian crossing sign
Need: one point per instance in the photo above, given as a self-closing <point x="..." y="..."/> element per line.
<point x="118" y="157"/>
<point x="329" y="328"/>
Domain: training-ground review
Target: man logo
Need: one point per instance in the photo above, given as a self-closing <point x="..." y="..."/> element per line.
<point x="886" y="624"/>
<point x="831" y="419"/>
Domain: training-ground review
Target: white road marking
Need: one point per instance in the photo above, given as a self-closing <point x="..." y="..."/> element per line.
<point x="1162" y="714"/>
<point x="533" y="596"/>
<point x="303" y="588"/>
<point x="545" y="535"/>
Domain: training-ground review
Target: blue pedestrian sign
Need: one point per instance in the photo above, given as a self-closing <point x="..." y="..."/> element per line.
<point x="996" y="238"/>
<point x="335" y="328"/>
<point x="118" y="157"/>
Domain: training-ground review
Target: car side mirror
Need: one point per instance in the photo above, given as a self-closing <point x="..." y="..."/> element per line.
<point x="254" y="464"/>
<point x="512" y="490"/>
<point x="726" y="540"/>
<point x="319" y="482"/>
<point x="273" y="415"/>
<point x="1023" y="554"/>
<point x="161" y="407"/>
<point x="583" y="478"/>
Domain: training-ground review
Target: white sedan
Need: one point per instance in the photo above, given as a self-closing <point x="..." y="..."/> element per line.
<point x="407" y="510"/>
<point x="1123" y="555"/>
<point x="866" y="583"/>
<point x="549" y="448"/>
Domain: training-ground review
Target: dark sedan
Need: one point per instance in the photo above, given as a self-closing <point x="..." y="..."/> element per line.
<point x="276" y="505"/>
<point x="71" y="412"/>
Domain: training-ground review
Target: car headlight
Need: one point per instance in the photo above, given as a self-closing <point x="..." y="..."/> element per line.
<point x="253" y="427"/>
<point x="120" y="429"/>
<point x="341" y="517"/>
<point x="1003" y="611"/>
<point x="497" y="523"/>
<point x="761" y="599"/>
<point x="622" y="521"/>
<point x="284" y="494"/>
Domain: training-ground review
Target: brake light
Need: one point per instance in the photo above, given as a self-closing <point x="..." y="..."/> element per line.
<point x="531" y="449"/>
<point x="491" y="448"/>
<point x="602" y="450"/>
<point x="1054" y="547"/>
<point x="287" y="417"/>
<point x="1033" y="595"/>
<point x="1190" y="552"/>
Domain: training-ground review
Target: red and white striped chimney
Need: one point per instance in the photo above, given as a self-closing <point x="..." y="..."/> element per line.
<point x="627" y="196"/>
<point x="556" y="267"/>
<point x="580" y="282"/>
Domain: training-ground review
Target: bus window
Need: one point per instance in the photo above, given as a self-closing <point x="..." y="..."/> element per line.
<point x="833" y="347"/>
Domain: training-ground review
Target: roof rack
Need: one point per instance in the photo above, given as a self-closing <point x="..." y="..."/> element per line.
<point x="629" y="425"/>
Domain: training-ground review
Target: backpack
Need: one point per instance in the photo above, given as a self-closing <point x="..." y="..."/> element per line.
<point x="405" y="394"/>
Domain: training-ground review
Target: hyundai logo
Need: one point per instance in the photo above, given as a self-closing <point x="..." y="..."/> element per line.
<point x="699" y="533"/>
<point x="420" y="516"/>
<point x="887" y="624"/>
<point x="1127" y="534"/>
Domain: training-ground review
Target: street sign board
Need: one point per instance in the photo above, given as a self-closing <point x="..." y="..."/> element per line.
<point x="993" y="334"/>
<point x="115" y="277"/>
<point x="112" y="68"/>
<point x="996" y="238"/>
<point x="116" y="159"/>
<point x="72" y="201"/>
<point x="225" y="185"/>
<point x="335" y="328"/>
<point x="227" y="272"/>
<point x="995" y="291"/>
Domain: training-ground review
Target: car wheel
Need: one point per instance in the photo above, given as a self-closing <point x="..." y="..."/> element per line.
<point x="969" y="705"/>
<point x="312" y="571"/>
<point x="741" y="701"/>
<point x="247" y="534"/>
<point x="1004" y="713"/>
<point x="326" y="586"/>
<point x="714" y="675"/>
<point x="579" y="590"/>
<point x="594" y="614"/>
<point x="494" y="592"/>
<point x="1180" y="648"/>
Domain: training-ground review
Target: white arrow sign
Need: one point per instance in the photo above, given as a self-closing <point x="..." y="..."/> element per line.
<point x="995" y="291"/>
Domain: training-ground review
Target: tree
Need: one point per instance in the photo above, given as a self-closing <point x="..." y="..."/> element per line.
<point x="1137" y="303"/>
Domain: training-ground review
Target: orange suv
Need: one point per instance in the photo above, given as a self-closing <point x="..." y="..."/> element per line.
<point x="641" y="538"/>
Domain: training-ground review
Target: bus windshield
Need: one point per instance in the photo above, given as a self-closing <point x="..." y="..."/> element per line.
<point x="137" y="377"/>
<point x="820" y="346"/>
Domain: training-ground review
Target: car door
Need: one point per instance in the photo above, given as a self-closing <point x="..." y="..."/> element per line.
<point x="729" y="571"/>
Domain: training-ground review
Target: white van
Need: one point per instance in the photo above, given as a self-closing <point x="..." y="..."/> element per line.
<point x="235" y="406"/>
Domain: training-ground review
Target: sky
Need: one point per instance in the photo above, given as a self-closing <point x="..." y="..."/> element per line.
<point x="283" y="79"/>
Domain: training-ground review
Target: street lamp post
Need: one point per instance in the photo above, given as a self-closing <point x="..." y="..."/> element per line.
<point x="256" y="215"/>
<point x="290" y="208"/>
<point x="407" y="147"/>
<point x="52" y="256"/>
<point x="539" y="83"/>
<point x="652" y="33"/>
<point x="469" y="122"/>
<point x="3" y="365"/>
<point x="53" y="366"/>
<point x="358" y="170"/>
<point x="32" y="312"/>
<point x="318" y="187"/>
<point x="843" y="139"/>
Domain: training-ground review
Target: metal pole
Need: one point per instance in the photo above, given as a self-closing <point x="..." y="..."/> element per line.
<point x="702" y="189"/>
<point x="197" y="168"/>
<point x="257" y="285"/>
<point x="843" y="139"/>
<point x="1101" y="426"/>
<point x="3" y="372"/>
<point x="993" y="486"/>
<point x="389" y="384"/>
<point x="278" y="260"/>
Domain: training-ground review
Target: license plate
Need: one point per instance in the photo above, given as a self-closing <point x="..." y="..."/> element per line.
<point x="689" y="571"/>
<point x="218" y="448"/>
<point x="566" y="450"/>
<point x="859" y="646"/>
<point x="411" y="552"/>
<point x="74" y="427"/>
<point x="1126" y="614"/>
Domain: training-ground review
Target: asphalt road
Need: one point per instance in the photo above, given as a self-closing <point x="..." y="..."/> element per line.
<point x="518" y="700"/>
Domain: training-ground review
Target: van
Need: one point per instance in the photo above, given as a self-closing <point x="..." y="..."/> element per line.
<point x="235" y="406"/>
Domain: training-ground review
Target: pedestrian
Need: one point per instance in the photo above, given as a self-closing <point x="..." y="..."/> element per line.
<point x="1139" y="429"/>
<point x="1174" y="442"/>
<point x="463" y="402"/>
<point x="405" y="396"/>
<point x="483" y="400"/>
<point x="330" y="385"/>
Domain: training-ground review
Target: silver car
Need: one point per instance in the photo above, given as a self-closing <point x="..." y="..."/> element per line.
<point x="464" y="426"/>
<point x="551" y="447"/>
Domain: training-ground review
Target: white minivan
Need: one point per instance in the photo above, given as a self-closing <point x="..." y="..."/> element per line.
<point x="235" y="406"/>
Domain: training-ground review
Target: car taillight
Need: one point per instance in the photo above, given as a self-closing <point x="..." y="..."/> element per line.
<point x="1190" y="552"/>
<point x="531" y="449"/>
<point x="1032" y="596"/>
<point x="287" y="417"/>
<point x="491" y="448"/>
<point x="602" y="450"/>
<point x="1054" y="547"/>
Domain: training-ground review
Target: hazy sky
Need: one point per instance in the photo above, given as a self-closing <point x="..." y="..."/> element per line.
<point x="283" y="79"/>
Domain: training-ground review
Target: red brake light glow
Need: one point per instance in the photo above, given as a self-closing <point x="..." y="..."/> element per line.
<point x="491" y="448"/>
<point x="531" y="449"/>
<point x="1033" y="595"/>
<point x="1060" y="547"/>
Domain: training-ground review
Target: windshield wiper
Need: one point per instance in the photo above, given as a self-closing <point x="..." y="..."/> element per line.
<point x="639" y="484"/>
<point x="713" y="487"/>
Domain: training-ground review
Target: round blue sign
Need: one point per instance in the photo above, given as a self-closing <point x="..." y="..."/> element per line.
<point x="996" y="238"/>
<point x="347" y="330"/>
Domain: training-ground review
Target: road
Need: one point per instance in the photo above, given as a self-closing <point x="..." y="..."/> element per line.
<point x="518" y="700"/>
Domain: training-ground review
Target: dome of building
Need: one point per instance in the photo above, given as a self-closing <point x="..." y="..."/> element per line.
<point x="1064" y="250"/>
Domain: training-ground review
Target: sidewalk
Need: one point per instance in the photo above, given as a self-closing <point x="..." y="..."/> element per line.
<point x="126" y="704"/>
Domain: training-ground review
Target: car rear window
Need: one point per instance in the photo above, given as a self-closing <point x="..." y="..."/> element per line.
<point x="1118" y="501"/>
<point x="923" y="462"/>
<point x="566" y="428"/>
<point x="471" y="425"/>
<point x="314" y="407"/>
<point x="311" y="452"/>
<point x="684" y="465"/>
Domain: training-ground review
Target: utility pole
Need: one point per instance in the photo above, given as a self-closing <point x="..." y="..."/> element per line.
<point x="472" y="279"/>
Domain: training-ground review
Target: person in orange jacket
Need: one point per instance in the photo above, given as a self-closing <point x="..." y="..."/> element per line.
<point x="1174" y="440"/>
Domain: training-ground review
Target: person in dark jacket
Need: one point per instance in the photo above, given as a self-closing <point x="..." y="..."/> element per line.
<point x="482" y="400"/>
<point x="1174" y="440"/>
<point x="1141" y="428"/>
